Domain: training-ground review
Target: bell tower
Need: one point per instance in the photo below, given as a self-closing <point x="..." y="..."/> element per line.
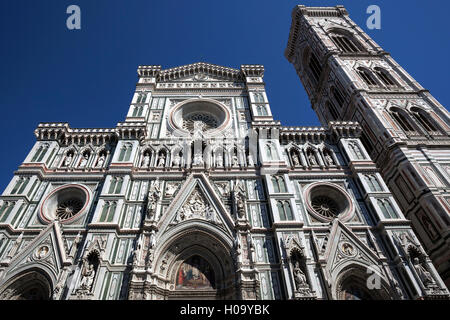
<point x="348" y="77"/>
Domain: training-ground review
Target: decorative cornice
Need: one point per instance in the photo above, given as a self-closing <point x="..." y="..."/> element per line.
<point x="252" y="70"/>
<point x="300" y="11"/>
<point x="196" y="68"/>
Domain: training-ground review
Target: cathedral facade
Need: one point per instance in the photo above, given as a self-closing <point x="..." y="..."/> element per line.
<point x="201" y="194"/>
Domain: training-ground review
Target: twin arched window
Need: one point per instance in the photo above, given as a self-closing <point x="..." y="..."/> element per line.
<point x="108" y="210"/>
<point x="421" y="116"/>
<point x="40" y="153"/>
<point x="141" y="98"/>
<point x="387" y="209"/>
<point x="137" y="112"/>
<point x="279" y="184"/>
<point x="367" y="76"/>
<point x="115" y="185"/>
<point x="20" y="186"/>
<point x="344" y="43"/>
<point x="125" y="152"/>
<point x="284" y="210"/>
<point x="258" y="97"/>
<point x="261" y="110"/>
<point x="373" y="182"/>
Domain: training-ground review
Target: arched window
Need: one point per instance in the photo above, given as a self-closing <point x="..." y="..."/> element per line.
<point x="279" y="184"/>
<point x="115" y="185"/>
<point x="366" y="75"/>
<point x="261" y="110"/>
<point x="269" y="151"/>
<point x="344" y="43"/>
<point x="315" y="67"/>
<point x="402" y="121"/>
<point x="384" y="76"/>
<point x="108" y="211"/>
<point x="387" y="209"/>
<point x="5" y="209"/>
<point x="141" y="98"/>
<point x="125" y="152"/>
<point x="424" y="119"/>
<point x="20" y="186"/>
<point x="258" y="97"/>
<point x="338" y="97"/>
<point x="373" y="183"/>
<point x="284" y="210"/>
<point x="331" y="108"/>
<point x="39" y="155"/>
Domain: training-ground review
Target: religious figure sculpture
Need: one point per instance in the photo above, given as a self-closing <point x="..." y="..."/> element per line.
<point x="250" y="161"/>
<point x="88" y="275"/>
<point x="312" y="159"/>
<point x="68" y="159"/>
<point x="153" y="197"/>
<point x="162" y="160"/>
<point x="239" y="197"/>
<point x="219" y="160"/>
<point x="295" y="160"/>
<point x="152" y="240"/>
<point x="424" y="274"/>
<point x="84" y="160"/>
<point x="176" y="161"/>
<point x="235" y="161"/>
<point x="146" y="160"/>
<point x="329" y="159"/>
<point x="101" y="160"/>
<point x="299" y="276"/>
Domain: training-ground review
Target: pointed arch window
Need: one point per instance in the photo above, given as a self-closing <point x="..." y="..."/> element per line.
<point x="366" y="75"/>
<point x="338" y="96"/>
<point x="108" y="210"/>
<point x="5" y="210"/>
<point x="284" y="210"/>
<point x="115" y="185"/>
<point x="401" y="119"/>
<point x="315" y="67"/>
<point x="373" y="183"/>
<point x="384" y="76"/>
<point x="279" y="185"/>
<point x="270" y="151"/>
<point x="39" y="155"/>
<point x="125" y="152"/>
<point x="331" y="108"/>
<point x="20" y="186"/>
<point x="141" y="98"/>
<point x="261" y="110"/>
<point x="424" y="119"/>
<point x="344" y="43"/>
<point x="258" y="97"/>
<point x="137" y="112"/>
<point x="387" y="209"/>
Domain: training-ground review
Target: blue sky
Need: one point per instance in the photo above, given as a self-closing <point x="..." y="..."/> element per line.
<point x="87" y="77"/>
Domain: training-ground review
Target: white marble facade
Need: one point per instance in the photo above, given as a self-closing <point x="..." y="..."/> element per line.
<point x="201" y="194"/>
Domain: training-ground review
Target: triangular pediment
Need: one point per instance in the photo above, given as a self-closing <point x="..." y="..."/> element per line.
<point x="345" y="246"/>
<point x="47" y="250"/>
<point x="197" y="200"/>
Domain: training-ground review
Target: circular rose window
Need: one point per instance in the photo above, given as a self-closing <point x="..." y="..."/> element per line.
<point x="64" y="203"/>
<point x="327" y="201"/>
<point x="206" y="115"/>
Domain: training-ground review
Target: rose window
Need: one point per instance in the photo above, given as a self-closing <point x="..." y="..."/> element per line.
<point x="325" y="206"/>
<point x="207" y="121"/>
<point x="68" y="208"/>
<point x="326" y="201"/>
<point x="65" y="203"/>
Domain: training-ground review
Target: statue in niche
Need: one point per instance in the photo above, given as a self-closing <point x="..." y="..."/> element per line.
<point x="424" y="274"/>
<point x="136" y="257"/>
<point x="170" y="189"/>
<point x="250" y="162"/>
<point x="162" y="160"/>
<point x="153" y="197"/>
<point x="235" y="161"/>
<point x="198" y="130"/>
<point x="88" y="275"/>
<point x="146" y="160"/>
<point x="152" y="241"/>
<point x="210" y="214"/>
<point x="198" y="158"/>
<point x="219" y="160"/>
<point x="329" y="159"/>
<point x="295" y="159"/>
<point x="68" y="159"/>
<point x="239" y="197"/>
<point x="101" y="160"/>
<point x="312" y="158"/>
<point x="84" y="160"/>
<point x="176" y="160"/>
<point x="299" y="277"/>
